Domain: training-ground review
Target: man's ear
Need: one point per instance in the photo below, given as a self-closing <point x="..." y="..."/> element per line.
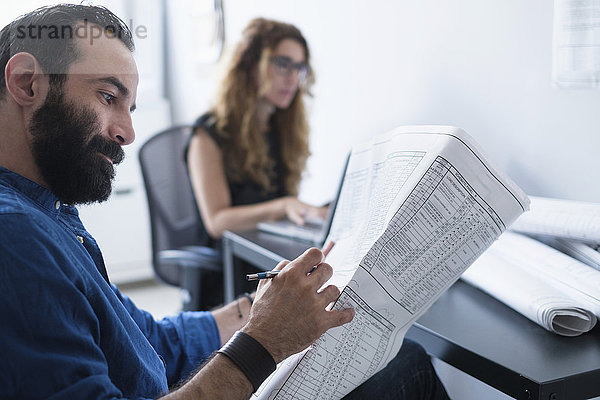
<point x="25" y="79"/>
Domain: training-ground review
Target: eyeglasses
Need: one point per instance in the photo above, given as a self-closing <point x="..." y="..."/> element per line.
<point x="284" y="67"/>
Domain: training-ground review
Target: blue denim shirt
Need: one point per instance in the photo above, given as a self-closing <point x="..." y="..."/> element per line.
<point x="65" y="332"/>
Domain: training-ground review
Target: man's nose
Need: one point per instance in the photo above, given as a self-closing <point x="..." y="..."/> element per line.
<point x="121" y="129"/>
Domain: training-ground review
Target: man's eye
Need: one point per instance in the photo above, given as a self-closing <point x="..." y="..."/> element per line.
<point x="108" y="97"/>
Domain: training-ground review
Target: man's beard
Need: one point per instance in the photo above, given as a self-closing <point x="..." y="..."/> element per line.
<point x="68" y="149"/>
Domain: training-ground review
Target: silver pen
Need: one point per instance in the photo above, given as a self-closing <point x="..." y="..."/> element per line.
<point x="272" y="274"/>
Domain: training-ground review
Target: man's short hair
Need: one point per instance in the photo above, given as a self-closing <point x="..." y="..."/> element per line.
<point x="49" y="34"/>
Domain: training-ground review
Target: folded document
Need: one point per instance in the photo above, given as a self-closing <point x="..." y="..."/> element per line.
<point x="550" y="288"/>
<point x="417" y="207"/>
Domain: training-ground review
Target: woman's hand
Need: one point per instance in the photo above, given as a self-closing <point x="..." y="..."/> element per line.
<point x="298" y="212"/>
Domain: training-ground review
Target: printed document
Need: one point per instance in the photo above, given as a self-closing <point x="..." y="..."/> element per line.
<point x="418" y="206"/>
<point x="576" y="44"/>
<point x="550" y="288"/>
<point x="569" y="219"/>
<point x="583" y="252"/>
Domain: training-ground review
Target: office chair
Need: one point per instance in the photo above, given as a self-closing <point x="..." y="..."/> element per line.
<point x="174" y="222"/>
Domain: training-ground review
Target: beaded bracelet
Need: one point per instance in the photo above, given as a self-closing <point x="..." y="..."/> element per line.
<point x="237" y="303"/>
<point x="247" y="295"/>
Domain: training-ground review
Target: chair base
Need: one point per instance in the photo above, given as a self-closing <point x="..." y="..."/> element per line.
<point x="203" y="290"/>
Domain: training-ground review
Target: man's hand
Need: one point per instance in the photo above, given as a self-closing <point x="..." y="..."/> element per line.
<point x="289" y="312"/>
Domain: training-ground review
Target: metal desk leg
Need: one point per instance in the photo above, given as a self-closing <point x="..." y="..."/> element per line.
<point x="228" y="285"/>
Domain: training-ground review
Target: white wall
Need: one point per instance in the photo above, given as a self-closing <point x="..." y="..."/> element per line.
<point x="484" y="66"/>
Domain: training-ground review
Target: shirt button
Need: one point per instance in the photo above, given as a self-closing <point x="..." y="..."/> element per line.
<point x="80" y="238"/>
<point x="57" y="204"/>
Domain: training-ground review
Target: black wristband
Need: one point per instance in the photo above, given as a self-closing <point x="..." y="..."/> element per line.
<point x="250" y="357"/>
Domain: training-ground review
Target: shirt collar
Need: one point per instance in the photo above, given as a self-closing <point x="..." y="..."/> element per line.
<point x="36" y="192"/>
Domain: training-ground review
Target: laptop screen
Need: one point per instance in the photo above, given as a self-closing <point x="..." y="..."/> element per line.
<point x="331" y="210"/>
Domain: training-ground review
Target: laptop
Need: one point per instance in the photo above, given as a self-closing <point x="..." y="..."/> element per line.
<point x="314" y="231"/>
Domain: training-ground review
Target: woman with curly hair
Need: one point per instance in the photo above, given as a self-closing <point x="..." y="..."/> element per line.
<point x="247" y="153"/>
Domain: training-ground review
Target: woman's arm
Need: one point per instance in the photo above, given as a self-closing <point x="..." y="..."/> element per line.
<point x="207" y="174"/>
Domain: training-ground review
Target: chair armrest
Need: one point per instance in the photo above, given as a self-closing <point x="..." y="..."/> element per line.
<point x="193" y="257"/>
<point x="205" y="252"/>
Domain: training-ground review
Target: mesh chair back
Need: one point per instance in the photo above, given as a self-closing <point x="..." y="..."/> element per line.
<point x="174" y="217"/>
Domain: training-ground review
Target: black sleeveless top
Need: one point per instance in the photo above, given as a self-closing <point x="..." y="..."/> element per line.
<point x="246" y="191"/>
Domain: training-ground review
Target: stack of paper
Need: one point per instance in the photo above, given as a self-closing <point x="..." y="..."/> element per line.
<point x="575" y="220"/>
<point x="551" y="276"/>
<point x="552" y="289"/>
<point x="583" y="252"/>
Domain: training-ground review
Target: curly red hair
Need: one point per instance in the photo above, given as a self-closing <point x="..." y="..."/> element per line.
<point x="243" y="144"/>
